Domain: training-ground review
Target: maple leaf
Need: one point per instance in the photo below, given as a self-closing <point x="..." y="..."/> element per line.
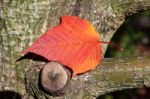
<point x="74" y="43"/>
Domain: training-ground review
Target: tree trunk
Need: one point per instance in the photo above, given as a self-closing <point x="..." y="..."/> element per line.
<point x="22" y="21"/>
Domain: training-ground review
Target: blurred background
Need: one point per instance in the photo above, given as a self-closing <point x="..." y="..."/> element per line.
<point x="134" y="37"/>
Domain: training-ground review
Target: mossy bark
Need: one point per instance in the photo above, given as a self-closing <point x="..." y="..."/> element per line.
<point x="22" y="21"/>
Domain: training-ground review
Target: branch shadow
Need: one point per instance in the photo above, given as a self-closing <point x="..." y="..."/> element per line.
<point x="32" y="56"/>
<point x="7" y="94"/>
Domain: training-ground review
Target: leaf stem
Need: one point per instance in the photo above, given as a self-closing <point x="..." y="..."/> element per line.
<point x="113" y="44"/>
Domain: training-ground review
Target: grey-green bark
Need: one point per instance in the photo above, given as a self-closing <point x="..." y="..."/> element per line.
<point x="111" y="75"/>
<point x="22" y="21"/>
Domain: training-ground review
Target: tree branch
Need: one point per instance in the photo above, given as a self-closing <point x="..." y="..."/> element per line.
<point x="111" y="75"/>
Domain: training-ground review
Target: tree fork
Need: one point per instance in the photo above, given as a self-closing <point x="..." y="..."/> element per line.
<point x="23" y="20"/>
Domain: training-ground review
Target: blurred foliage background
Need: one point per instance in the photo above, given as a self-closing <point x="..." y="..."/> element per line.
<point x="134" y="37"/>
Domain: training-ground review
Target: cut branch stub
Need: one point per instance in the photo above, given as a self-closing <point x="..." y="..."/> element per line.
<point x="54" y="77"/>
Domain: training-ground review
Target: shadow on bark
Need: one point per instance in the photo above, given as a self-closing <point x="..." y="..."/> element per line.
<point x="7" y="94"/>
<point x="32" y="56"/>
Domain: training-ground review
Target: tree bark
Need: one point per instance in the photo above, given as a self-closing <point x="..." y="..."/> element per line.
<point x="111" y="75"/>
<point x="22" y="21"/>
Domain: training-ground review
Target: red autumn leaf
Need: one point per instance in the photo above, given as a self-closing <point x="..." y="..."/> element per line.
<point x="74" y="43"/>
